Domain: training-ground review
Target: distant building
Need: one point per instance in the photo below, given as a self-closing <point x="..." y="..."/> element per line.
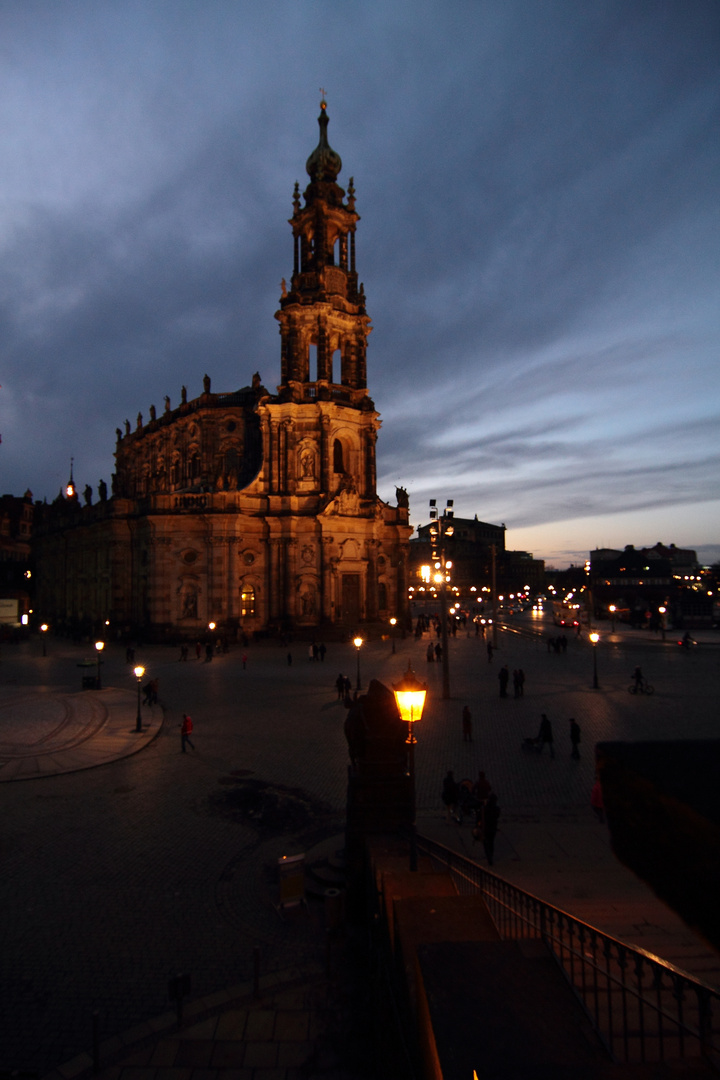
<point x="257" y="511"/>
<point x="640" y="581"/>
<point x="471" y="551"/>
<point x="16" y="529"/>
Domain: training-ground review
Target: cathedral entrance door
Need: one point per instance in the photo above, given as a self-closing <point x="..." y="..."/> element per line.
<point x="350" y="598"/>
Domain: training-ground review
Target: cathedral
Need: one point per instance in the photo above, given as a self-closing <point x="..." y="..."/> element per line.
<point x="252" y="510"/>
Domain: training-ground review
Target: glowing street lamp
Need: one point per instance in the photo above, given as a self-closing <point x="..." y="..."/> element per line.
<point x="43" y="631"/>
<point x="139" y="672"/>
<point x="99" y="645"/>
<point x="410" y="699"/>
<point x="393" y="623"/>
<point x="357" y="642"/>
<point x="595" y="637"/>
<point x="612" y="609"/>
<point x="662" y="610"/>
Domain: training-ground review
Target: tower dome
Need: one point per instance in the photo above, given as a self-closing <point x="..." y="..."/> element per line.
<point x="324" y="163"/>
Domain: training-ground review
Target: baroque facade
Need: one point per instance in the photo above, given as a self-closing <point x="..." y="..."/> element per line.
<point x="250" y="509"/>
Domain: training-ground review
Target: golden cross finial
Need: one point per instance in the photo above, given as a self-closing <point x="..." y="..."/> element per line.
<point x="324" y="95"/>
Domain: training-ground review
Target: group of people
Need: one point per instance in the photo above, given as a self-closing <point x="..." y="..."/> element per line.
<point x="545" y="737"/>
<point x="518" y="680"/>
<point x="477" y="800"/>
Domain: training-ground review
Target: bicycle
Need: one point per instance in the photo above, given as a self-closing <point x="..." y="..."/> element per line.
<point x="641" y="688"/>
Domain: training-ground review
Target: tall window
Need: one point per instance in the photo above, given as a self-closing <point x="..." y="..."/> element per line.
<point x="247" y="601"/>
<point x="338" y="463"/>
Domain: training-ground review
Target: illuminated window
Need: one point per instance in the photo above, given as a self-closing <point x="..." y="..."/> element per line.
<point x="247" y="602"/>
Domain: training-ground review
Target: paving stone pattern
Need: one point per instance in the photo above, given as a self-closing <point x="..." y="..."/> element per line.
<point x="119" y="876"/>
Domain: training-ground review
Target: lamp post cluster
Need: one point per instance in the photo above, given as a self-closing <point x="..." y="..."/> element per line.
<point x="442" y="528"/>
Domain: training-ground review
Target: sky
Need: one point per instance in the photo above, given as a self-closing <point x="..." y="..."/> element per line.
<point x="539" y="241"/>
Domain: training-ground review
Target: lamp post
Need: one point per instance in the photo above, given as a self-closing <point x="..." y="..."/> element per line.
<point x="612" y="609"/>
<point x="595" y="637"/>
<point x="442" y="527"/>
<point x="393" y="624"/>
<point x="357" y="642"/>
<point x="662" y="610"/>
<point x="43" y="631"/>
<point x="139" y="672"/>
<point x="410" y="698"/>
<point x="99" y="645"/>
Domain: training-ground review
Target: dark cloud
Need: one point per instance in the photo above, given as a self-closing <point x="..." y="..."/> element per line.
<point x="538" y="241"/>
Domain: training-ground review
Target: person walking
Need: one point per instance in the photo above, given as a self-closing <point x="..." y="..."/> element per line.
<point x="503" y="678"/>
<point x="545" y="735"/>
<point x="449" y="796"/>
<point x="466" y="724"/>
<point x="489" y="824"/>
<point x="575" y="738"/>
<point x="490" y="651"/>
<point x="185" y="732"/>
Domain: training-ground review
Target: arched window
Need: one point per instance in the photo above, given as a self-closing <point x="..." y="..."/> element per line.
<point x="247" y="601"/>
<point x="338" y="463"/>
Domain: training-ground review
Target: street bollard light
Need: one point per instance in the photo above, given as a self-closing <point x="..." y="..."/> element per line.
<point x="393" y="623"/>
<point x="410" y="699"/>
<point x="99" y="645"/>
<point x="43" y="631"/>
<point x="662" y="612"/>
<point x="357" y="642"/>
<point x="612" y="609"/>
<point x="595" y="637"/>
<point x="139" y="672"/>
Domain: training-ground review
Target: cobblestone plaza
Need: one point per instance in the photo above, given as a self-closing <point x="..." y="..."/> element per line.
<point x="115" y="877"/>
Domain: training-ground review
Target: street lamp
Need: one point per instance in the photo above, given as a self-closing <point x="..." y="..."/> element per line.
<point x="43" y="631"/>
<point x="393" y="623"/>
<point x="662" y="611"/>
<point x="410" y="699"/>
<point x="139" y="672"/>
<point x="99" y="645"/>
<point x="357" y="642"/>
<point x="612" y="609"/>
<point x="595" y="637"/>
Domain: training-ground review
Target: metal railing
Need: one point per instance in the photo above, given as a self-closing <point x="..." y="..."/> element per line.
<point x="644" y="1009"/>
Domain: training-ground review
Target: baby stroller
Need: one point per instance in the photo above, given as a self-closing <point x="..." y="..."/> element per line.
<point x="531" y="745"/>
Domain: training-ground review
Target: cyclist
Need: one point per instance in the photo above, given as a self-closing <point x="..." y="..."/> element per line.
<point x="639" y="680"/>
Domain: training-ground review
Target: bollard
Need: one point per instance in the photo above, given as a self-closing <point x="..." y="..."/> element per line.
<point x="178" y="986"/>
<point x="95" y="1034"/>
<point x="256" y="971"/>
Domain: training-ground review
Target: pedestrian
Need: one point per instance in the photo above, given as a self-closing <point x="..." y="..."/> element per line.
<point x="466" y="724"/>
<point x="488" y="821"/>
<point x="490" y="651"/>
<point x="504" y="679"/>
<point x="430" y="653"/>
<point x="311" y="652"/>
<point x="438" y="652"/>
<point x="208" y="652"/>
<point x="545" y="735"/>
<point x="574" y="738"/>
<point x="198" y="649"/>
<point x="481" y="788"/>
<point x="185" y="732"/>
<point x="340" y="686"/>
<point x="449" y="796"/>
<point x="322" y="649"/>
<point x="596" y="801"/>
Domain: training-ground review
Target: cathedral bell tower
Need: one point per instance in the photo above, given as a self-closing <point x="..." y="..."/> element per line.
<point x="323" y="322"/>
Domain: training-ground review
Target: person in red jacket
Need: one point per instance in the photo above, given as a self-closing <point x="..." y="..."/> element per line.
<point x="185" y="732"/>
